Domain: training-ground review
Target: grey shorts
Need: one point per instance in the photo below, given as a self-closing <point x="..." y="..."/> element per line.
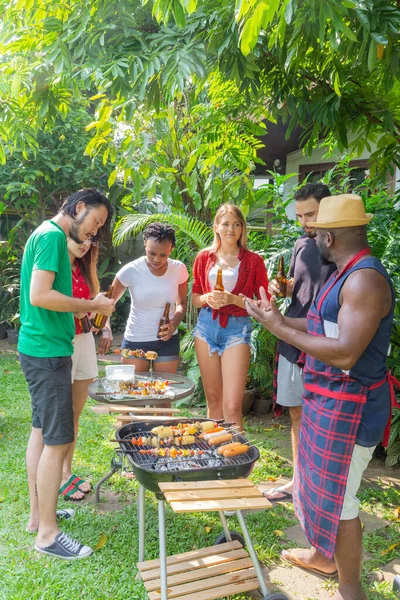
<point x="290" y="383"/>
<point x="50" y="387"/>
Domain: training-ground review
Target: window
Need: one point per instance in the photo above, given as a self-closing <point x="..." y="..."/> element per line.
<point x="317" y="171"/>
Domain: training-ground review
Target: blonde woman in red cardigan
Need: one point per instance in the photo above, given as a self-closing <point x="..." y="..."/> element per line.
<point x="223" y="330"/>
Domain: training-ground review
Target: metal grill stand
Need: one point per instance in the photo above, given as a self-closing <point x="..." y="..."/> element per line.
<point x="220" y="570"/>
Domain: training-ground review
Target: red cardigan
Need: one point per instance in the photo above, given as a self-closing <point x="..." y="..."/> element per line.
<point x="252" y="275"/>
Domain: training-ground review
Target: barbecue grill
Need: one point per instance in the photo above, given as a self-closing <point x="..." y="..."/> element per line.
<point x="152" y="470"/>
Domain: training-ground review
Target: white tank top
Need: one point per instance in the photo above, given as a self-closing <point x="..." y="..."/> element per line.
<point x="229" y="277"/>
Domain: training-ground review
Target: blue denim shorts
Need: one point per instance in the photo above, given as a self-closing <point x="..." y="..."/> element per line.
<point x="238" y="331"/>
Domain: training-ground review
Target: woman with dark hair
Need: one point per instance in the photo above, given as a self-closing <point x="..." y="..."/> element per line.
<point x="85" y="284"/>
<point x="223" y="329"/>
<point x="154" y="280"/>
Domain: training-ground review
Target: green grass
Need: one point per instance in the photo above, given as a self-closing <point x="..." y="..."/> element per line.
<point x="111" y="571"/>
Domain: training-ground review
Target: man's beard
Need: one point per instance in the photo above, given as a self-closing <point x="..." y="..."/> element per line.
<point x="74" y="232"/>
<point x="324" y="261"/>
<point x="312" y="233"/>
<point x="324" y="255"/>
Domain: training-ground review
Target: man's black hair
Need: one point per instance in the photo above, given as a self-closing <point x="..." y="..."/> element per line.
<point x="92" y="198"/>
<point x="314" y="190"/>
<point x="159" y="232"/>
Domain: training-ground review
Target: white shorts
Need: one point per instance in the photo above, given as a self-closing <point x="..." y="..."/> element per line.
<point x="290" y="383"/>
<point x="84" y="358"/>
<point x="359" y="462"/>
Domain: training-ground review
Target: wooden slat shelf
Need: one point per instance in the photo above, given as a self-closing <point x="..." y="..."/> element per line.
<point x="221" y="570"/>
<point x="209" y="573"/>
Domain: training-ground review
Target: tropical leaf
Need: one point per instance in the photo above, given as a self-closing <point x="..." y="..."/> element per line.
<point x="197" y="232"/>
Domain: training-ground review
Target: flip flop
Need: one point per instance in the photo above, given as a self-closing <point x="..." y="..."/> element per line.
<point x="70" y="488"/>
<point x="294" y="561"/>
<point x="78" y="481"/>
<point x="285" y="496"/>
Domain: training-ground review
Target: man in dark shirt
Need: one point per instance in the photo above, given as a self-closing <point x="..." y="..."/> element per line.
<point x="307" y="275"/>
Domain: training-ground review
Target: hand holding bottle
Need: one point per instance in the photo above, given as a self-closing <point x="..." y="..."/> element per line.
<point x="273" y="287"/>
<point x="217" y="299"/>
<point x="103" y="305"/>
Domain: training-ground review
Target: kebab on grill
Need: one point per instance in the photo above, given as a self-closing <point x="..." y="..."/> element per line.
<point x="155" y="441"/>
<point x="172" y="452"/>
<point x="184" y="429"/>
<point x="126" y="353"/>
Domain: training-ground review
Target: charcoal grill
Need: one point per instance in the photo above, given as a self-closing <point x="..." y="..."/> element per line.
<point x="151" y="471"/>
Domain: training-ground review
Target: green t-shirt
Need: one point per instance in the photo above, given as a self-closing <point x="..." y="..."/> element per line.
<point x="46" y="333"/>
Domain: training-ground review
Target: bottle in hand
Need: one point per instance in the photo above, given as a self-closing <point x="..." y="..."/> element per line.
<point x="164" y="319"/>
<point x="281" y="278"/>
<point x="100" y="321"/>
<point x="85" y="324"/>
<point x="219" y="286"/>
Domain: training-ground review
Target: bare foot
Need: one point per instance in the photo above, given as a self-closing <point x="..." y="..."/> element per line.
<point x="85" y="487"/>
<point x="310" y="559"/>
<point x="353" y="594"/>
<point x="32" y="525"/>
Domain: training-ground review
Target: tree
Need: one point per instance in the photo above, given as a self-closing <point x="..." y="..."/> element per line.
<point x="35" y="186"/>
<point x="331" y="67"/>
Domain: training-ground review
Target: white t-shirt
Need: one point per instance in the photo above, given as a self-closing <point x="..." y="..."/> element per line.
<point x="229" y="277"/>
<point x="149" y="295"/>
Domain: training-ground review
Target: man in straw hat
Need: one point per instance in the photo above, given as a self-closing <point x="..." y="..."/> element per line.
<point x="346" y="401"/>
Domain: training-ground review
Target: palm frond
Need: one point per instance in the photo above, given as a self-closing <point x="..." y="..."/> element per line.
<point x="196" y="231"/>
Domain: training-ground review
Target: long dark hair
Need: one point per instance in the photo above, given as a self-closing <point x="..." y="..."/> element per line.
<point x="88" y="267"/>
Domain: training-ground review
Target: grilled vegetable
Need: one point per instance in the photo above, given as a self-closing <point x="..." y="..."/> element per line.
<point x="222" y="449"/>
<point x="206" y="425"/>
<point x="216" y="441"/>
<point x="162" y="432"/>
<point x="242" y="449"/>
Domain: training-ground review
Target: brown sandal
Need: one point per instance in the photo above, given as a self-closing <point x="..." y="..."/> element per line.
<point x="296" y="562"/>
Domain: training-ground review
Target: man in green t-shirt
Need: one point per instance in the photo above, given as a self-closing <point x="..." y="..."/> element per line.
<point x="45" y="348"/>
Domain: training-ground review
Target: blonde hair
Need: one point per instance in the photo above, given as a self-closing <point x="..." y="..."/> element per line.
<point x="221" y="212"/>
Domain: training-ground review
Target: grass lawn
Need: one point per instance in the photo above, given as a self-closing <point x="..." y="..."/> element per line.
<point x="111" y="571"/>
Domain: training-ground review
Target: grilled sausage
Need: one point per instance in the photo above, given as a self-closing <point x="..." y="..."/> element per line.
<point x="209" y="431"/>
<point x="242" y="449"/>
<point x="209" y="436"/>
<point x="216" y="441"/>
<point x="222" y="449"/>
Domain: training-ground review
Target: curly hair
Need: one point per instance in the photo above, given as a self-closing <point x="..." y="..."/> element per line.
<point x="159" y="232"/>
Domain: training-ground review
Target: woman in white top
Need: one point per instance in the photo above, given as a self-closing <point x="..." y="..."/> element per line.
<point x="153" y="281"/>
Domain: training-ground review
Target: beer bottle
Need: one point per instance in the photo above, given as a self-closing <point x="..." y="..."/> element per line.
<point x="85" y="324"/>
<point x="281" y="278"/>
<point x="164" y="319"/>
<point x="100" y="321"/>
<point x="219" y="286"/>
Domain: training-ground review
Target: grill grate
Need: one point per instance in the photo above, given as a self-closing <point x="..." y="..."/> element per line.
<point x="210" y="458"/>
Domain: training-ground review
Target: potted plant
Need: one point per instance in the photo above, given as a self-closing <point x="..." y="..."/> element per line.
<point x="261" y="369"/>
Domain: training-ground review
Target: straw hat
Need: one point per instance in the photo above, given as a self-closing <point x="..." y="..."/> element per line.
<point x="346" y="210"/>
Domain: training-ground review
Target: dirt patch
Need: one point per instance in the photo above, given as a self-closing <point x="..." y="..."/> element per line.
<point x="109" y="502"/>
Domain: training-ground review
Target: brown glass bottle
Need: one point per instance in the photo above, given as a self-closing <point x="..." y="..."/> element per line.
<point x="99" y="321"/>
<point x="164" y="319"/>
<point x="219" y="286"/>
<point x="281" y="278"/>
<point x="85" y="324"/>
